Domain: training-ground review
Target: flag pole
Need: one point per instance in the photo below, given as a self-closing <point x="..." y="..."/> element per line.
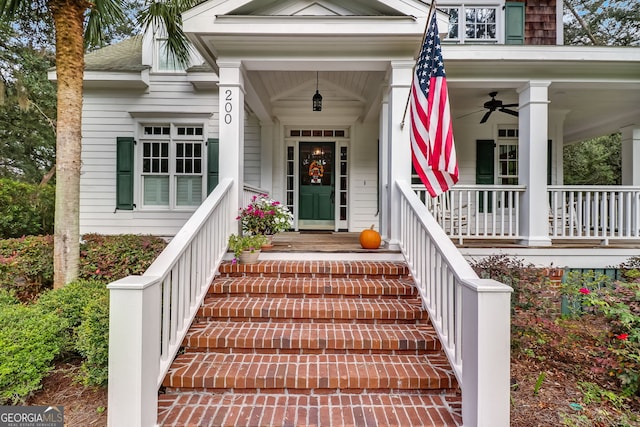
<point x="424" y="36"/>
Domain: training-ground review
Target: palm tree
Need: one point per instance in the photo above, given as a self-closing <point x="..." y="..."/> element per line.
<point x="77" y="23"/>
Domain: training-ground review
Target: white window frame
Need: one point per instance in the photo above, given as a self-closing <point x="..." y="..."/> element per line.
<point x="508" y="138"/>
<point x="462" y="24"/>
<point x="172" y="139"/>
<point x="164" y="62"/>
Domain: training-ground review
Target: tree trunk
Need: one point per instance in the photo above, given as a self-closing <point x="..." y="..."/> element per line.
<point x="68" y="19"/>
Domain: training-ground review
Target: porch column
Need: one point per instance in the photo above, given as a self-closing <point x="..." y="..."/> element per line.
<point x="383" y="163"/>
<point x="630" y="155"/>
<point x="399" y="145"/>
<point x="532" y="162"/>
<point x="231" y="132"/>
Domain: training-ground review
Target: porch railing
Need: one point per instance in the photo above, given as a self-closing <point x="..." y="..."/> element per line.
<point x="470" y="315"/>
<point x="594" y="212"/>
<point x="150" y="314"/>
<point x="476" y="211"/>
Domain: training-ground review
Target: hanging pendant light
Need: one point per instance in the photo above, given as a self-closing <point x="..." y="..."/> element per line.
<point x="317" y="98"/>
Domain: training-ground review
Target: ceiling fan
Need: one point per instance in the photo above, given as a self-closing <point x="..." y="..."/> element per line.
<point x="496" y="104"/>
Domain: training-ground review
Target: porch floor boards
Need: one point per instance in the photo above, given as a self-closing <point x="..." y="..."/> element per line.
<point x="324" y="343"/>
<point x="349" y="242"/>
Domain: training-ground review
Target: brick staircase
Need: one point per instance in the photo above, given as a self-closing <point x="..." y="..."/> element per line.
<point x="302" y="343"/>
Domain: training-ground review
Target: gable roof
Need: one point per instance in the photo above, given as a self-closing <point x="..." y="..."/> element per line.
<point x="123" y="56"/>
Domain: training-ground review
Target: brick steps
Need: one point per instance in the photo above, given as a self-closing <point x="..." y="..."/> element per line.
<point x="314" y="287"/>
<point x="322" y="374"/>
<point x="224" y="337"/>
<point x="312" y="310"/>
<point x="323" y="343"/>
<point x="204" y="409"/>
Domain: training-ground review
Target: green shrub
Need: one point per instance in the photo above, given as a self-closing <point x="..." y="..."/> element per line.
<point x="7" y="298"/>
<point x="109" y="258"/>
<point x="70" y="303"/>
<point x="25" y="209"/>
<point x="26" y="264"/>
<point x="528" y="282"/>
<point x="93" y="341"/>
<point x="29" y="342"/>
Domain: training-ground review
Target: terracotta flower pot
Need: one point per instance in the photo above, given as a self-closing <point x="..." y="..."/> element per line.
<point x="249" y="257"/>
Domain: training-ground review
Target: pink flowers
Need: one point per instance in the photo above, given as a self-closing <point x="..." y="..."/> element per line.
<point x="584" y="291"/>
<point x="622" y="337"/>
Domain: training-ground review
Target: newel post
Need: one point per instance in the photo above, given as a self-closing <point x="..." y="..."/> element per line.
<point x="486" y="311"/>
<point x="134" y="351"/>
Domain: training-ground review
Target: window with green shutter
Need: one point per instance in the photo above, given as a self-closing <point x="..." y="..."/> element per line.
<point x="124" y="172"/>
<point x="213" y="164"/>
<point x="514" y="23"/>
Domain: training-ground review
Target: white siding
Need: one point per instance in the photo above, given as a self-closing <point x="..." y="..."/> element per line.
<point x="252" y="151"/>
<point x="107" y="114"/>
<point x="363" y="182"/>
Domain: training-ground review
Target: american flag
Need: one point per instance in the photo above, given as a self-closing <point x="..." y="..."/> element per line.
<point x="432" y="149"/>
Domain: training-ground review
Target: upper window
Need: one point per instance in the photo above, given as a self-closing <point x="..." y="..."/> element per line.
<point x="165" y="61"/>
<point x="472" y="23"/>
<point x="172" y="165"/>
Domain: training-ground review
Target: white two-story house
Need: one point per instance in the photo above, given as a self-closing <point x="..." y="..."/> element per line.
<point x="156" y="138"/>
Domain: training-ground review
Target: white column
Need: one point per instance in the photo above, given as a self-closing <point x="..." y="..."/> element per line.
<point x="630" y="155"/>
<point x="383" y="163"/>
<point x="134" y="351"/>
<point x="399" y="144"/>
<point x="532" y="162"/>
<point x="231" y="120"/>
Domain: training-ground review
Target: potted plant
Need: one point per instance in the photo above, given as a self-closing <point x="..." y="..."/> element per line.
<point x="246" y="248"/>
<point x="265" y="216"/>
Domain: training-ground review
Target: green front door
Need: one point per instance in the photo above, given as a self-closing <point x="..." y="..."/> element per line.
<point x="317" y="185"/>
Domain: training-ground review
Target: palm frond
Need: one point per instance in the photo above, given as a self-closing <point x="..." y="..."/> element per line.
<point x="102" y="16"/>
<point x="167" y="16"/>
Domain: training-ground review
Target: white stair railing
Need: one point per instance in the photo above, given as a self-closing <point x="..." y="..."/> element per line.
<point x="150" y="314"/>
<point x="471" y="315"/>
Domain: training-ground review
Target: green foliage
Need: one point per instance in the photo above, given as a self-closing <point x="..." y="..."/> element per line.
<point x="93" y="341"/>
<point x="28" y="113"/>
<point x="109" y="258"/>
<point x="25" y="209"/>
<point x="526" y="280"/>
<point x="576" y="287"/>
<point x="252" y="243"/>
<point x="620" y="304"/>
<point x="597" y="22"/>
<point x="594" y="162"/>
<point x="29" y="342"/>
<point x="26" y="264"/>
<point x="71" y="302"/>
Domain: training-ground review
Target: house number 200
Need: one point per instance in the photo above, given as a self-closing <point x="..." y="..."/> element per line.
<point x="228" y="107"/>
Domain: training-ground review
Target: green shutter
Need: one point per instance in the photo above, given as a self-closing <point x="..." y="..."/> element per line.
<point x="485" y="167"/>
<point x="213" y="164"/>
<point x="514" y="23"/>
<point x="124" y="173"/>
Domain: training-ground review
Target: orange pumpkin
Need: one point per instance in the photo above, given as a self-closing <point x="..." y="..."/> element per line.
<point x="370" y="238"/>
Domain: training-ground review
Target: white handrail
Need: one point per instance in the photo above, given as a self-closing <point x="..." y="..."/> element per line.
<point x="150" y="314"/>
<point x="470" y="315"/>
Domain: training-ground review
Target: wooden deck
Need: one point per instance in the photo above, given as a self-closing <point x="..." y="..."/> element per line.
<point x="562" y="253"/>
